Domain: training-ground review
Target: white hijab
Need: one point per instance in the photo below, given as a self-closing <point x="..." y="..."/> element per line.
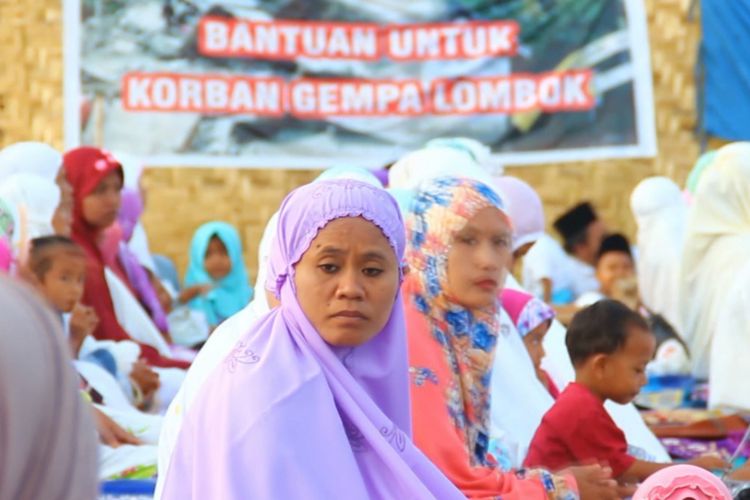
<point x="717" y="246"/>
<point x="47" y="436"/>
<point x="661" y="213"/>
<point x="31" y="158"/>
<point x="729" y="380"/>
<point x="432" y="162"/>
<point x="35" y="200"/>
<point x="518" y="400"/>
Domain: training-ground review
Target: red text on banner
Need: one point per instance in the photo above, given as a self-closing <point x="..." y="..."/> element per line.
<point x="203" y="93"/>
<point x="287" y="40"/>
<point x="315" y="98"/>
<point x="290" y="40"/>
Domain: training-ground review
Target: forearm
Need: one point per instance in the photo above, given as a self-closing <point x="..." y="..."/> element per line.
<point x="641" y="469"/>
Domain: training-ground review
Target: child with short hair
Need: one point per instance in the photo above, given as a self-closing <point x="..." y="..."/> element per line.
<point x="59" y="266"/>
<point x="610" y="346"/>
<point x="533" y="319"/>
<point x="615" y="270"/>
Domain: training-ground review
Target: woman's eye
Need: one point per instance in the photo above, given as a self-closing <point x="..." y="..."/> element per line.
<point x="467" y="240"/>
<point x="328" y="268"/>
<point x="502" y="242"/>
<point x="373" y="271"/>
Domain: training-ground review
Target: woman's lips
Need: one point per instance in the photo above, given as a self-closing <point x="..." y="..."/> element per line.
<point x="486" y="284"/>
<point x="350" y="315"/>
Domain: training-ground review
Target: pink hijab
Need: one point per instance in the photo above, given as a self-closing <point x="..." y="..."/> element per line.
<point x="526" y="311"/>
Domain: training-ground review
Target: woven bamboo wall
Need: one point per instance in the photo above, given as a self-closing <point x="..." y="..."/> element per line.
<point x="31" y="104"/>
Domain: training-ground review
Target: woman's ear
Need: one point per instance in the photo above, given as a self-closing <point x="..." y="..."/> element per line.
<point x="405" y="269"/>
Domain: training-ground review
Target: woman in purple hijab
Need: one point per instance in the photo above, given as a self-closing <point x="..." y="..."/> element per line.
<point x="131" y="209"/>
<point x="313" y="401"/>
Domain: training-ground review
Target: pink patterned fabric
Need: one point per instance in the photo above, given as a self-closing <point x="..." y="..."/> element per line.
<point x="526" y="311"/>
<point x="683" y="482"/>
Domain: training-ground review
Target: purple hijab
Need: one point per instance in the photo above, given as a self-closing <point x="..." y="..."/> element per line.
<point x="288" y="416"/>
<point x="131" y="209"/>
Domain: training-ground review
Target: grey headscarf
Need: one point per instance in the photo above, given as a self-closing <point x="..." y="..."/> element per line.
<point x="47" y="436"/>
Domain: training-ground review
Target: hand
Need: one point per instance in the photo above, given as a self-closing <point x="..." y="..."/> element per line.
<point x="710" y="462"/>
<point x="595" y="482"/>
<point x="110" y="433"/>
<point x="83" y="322"/>
<point x="191" y="292"/>
<point x="146" y="378"/>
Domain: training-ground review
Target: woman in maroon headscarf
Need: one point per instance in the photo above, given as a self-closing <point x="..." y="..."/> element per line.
<point x="97" y="178"/>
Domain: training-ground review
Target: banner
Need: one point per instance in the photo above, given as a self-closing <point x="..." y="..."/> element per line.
<point x="725" y="27"/>
<point x="314" y="83"/>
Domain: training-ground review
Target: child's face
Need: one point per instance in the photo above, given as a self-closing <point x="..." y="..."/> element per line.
<point x="217" y="261"/>
<point x="613" y="267"/>
<point x="623" y="373"/>
<point x="64" y="281"/>
<point x="534" y="342"/>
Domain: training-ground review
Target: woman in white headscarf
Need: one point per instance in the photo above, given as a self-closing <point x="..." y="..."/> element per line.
<point x="34" y="201"/>
<point x="437" y="160"/>
<point x="30" y="158"/>
<point x="661" y="213"/>
<point x="717" y="247"/>
<point x="47" y="435"/>
<point x="729" y="378"/>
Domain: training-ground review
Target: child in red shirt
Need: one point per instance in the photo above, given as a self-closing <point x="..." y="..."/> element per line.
<point x="610" y="346"/>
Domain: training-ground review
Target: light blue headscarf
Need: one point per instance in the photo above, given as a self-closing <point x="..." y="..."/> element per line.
<point x="404" y="198"/>
<point x="231" y="293"/>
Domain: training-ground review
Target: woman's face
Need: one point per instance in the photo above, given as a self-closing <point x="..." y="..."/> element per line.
<point x="478" y="259"/>
<point x="347" y="281"/>
<point x="217" y="262"/>
<point x="101" y="206"/>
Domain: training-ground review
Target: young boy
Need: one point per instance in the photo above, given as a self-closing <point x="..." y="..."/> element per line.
<point x="59" y="266"/>
<point x="615" y="268"/>
<point x="610" y="346"/>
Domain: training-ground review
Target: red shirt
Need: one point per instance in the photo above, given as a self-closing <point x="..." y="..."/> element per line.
<point x="577" y="429"/>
